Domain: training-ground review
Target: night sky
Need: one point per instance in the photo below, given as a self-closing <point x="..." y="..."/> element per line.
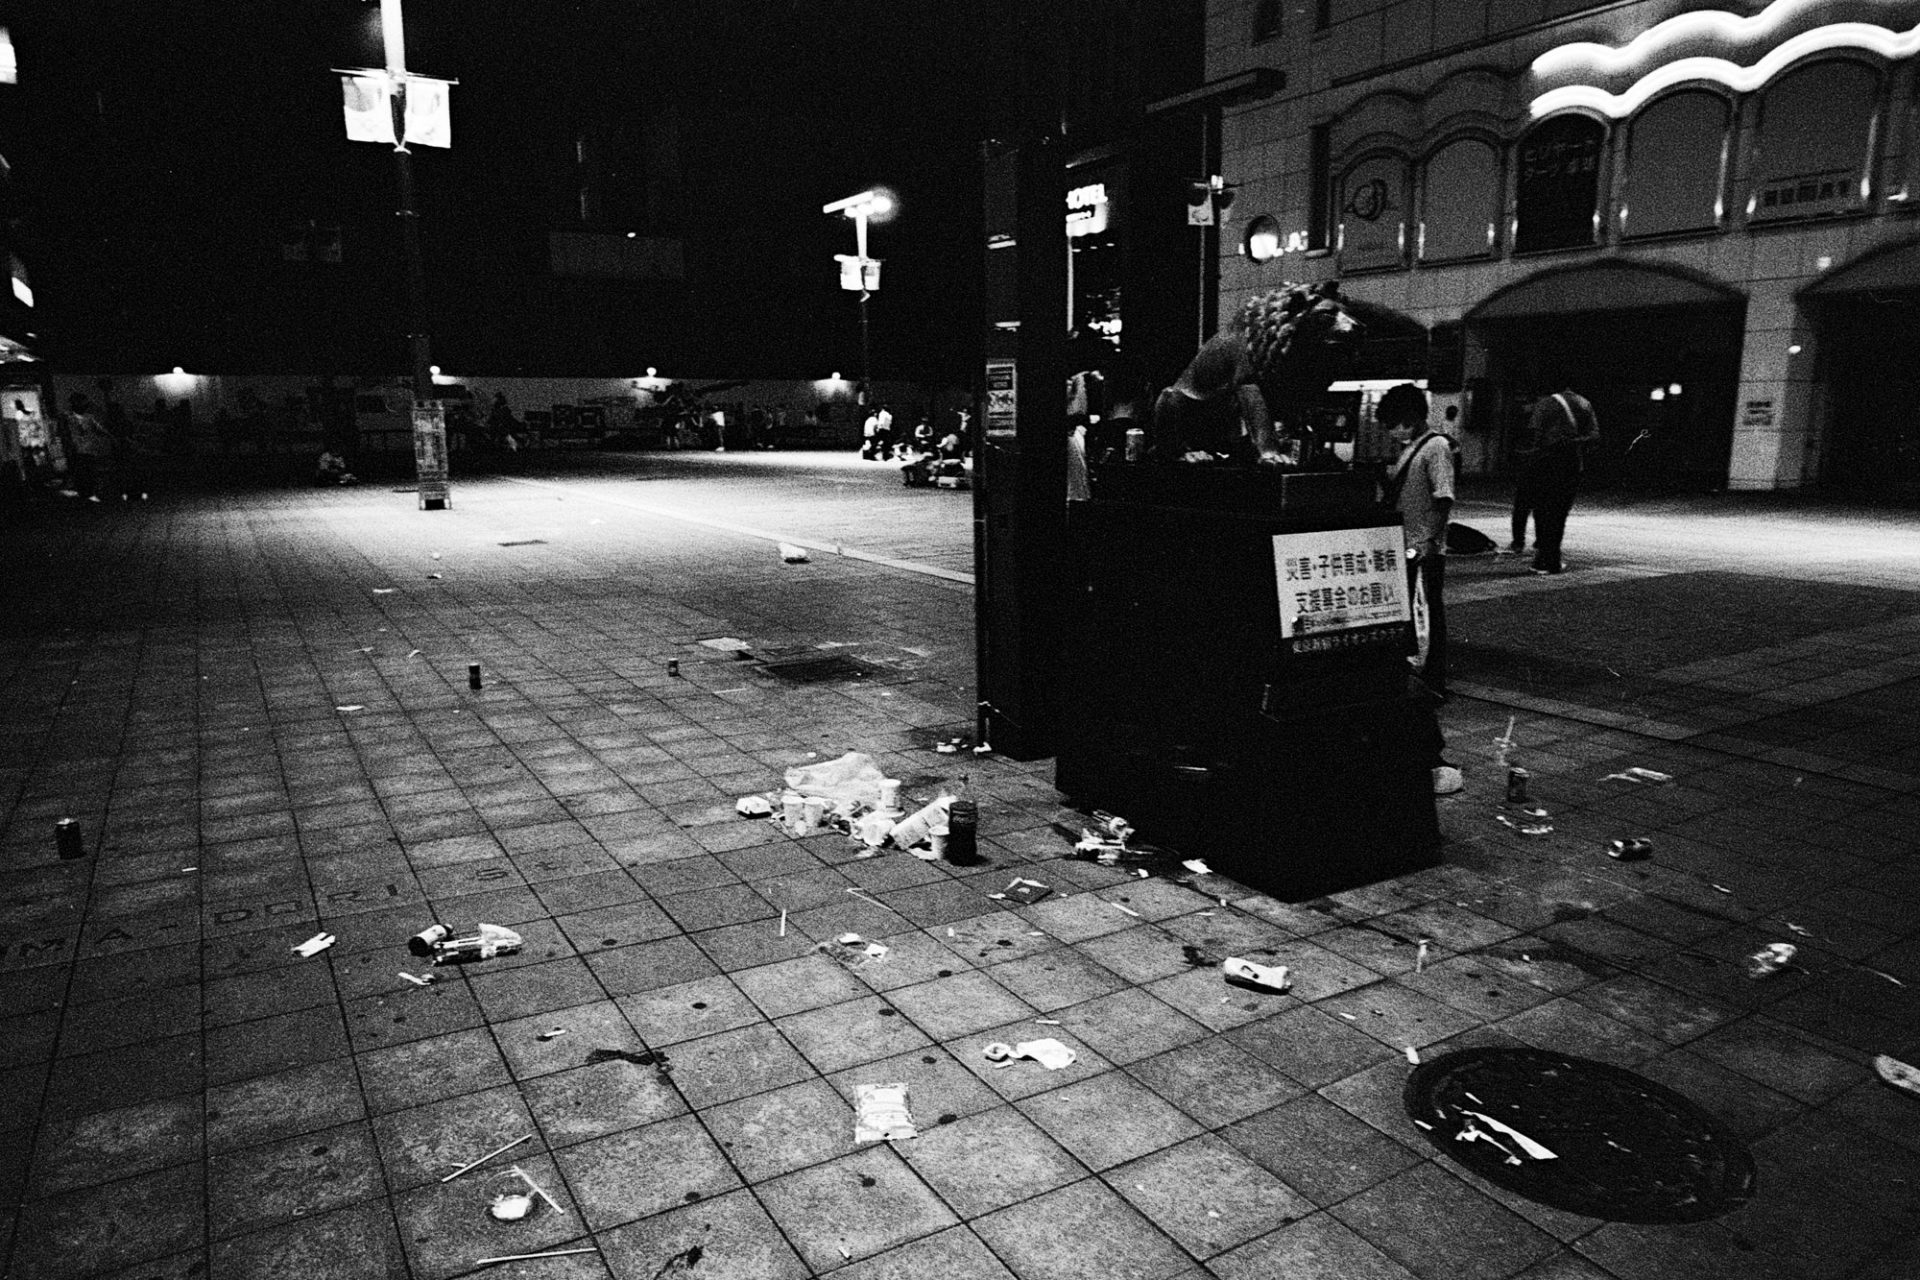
<point x="172" y="143"/>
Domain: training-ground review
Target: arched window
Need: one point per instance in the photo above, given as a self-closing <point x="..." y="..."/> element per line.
<point x="1816" y="134"/>
<point x="1557" y="189"/>
<point x="1676" y="164"/>
<point x="1373" y="214"/>
<point x="1460" y="207"/>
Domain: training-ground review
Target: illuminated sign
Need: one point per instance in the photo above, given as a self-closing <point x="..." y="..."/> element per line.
<point x="1087" y="210"/>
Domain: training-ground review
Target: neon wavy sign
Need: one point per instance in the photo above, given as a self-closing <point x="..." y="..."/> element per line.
<point x="1717" y="25"/>
<point x="1861" y="36"/>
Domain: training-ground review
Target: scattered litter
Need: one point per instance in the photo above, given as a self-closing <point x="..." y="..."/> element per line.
<point x="725" y="644"/>
<point x="1106" y="840"/>
<point x="351" y="706"/>
<point x="384" y="591"/>
<point x="783" y="922"/>
<point x="881" y="1114"/>
<point x="423" y="942"/>
<point x="1645" y="777"/>
<point x="1503" y="745"/>
<point x="864" y="896"/>
<point x="846" y="1252"/>
<point x="1049" y="1053"/>
<point x="1800" y="929"/>
<point x="511" y="1207"/>
<point x="1525" y="1143"/>
<point x="1771" y="959"/>
<point x="792" y="554"/>
<point x="1198" y="866"/>
<point x="524" y="1257"/>
<point x="1897" y="1073"/>
<point x="315" y="945"/>
<point x="1420" y="956"/>
<point x="413" y="653"/>
<point x="946" y="748"/>
<point x="1525" y="828"/>
<point x="1881" y="973"/>
<point x="1349" y="1017"/>
<point x="475" y="1164"/>
<point x="536" y="1188"/>
<point x="550" y="1033"/>
<point x="1121" y="906"/>
<point x="983" y="749"/>
<point x="433" y="575"/>
<point x="488" y="941"/>
<point x="1413" y="1055"/>
<point x="1631" y="849"/>
<point x="1424" y="1125"/>
<point x="1272" y="977"/>
<point x="753" y="806"/>
<point x="872" y="829"/>
<point x="418" y="981"/>
<point x="850" y="950"/>
<point x="1718" y="888"/>
<point x="1026" y="891"/>
<point x="1048" y="1022"/>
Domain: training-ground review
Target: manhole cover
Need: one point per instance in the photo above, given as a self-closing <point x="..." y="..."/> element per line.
<point x="1580" y="1135"/>
<point x="815" y="670"/>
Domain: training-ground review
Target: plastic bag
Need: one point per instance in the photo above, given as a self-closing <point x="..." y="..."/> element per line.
<point x="852" y="780"/>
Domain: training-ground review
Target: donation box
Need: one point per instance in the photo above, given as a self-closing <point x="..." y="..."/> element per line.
<point x="1235" y="676"/>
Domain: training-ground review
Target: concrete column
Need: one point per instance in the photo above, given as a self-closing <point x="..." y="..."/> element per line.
<point x="1776" y="426"/>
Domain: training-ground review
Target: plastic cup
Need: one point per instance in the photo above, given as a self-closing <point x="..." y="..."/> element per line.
<point x="814" y="812"/>
<point x="937" y="837"/>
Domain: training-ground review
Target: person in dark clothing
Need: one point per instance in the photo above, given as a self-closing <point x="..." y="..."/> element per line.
<point x="1559" y="429"/>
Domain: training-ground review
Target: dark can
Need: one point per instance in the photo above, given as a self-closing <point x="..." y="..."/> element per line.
<point x="963" y="831"/>
<point x="66" y="838"/>
<point x="1632" y="849"/>
<point x="473" y="675"/>
<point x="424" y="942"/>
<point x="1517" y="785"/>
<point x="673" y="666"/>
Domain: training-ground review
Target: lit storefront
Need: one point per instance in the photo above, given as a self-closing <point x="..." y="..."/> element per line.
<point x="1706" y="218"/>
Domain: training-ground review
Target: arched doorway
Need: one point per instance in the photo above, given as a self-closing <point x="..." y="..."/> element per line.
<point x="1656" y="349"/>
<point x="1867" y="320"/>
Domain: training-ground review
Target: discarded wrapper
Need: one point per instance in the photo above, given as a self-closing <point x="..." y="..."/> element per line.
<point x="1273" y="977"/>
<point x="1520" y="1139"/>
<point x="881" y="1113"/>
<point x="417" y="980"/>
<point x="1632" y="849"/>
<point x="1771" y="959"/>
<point x="1897" y="1073"/>
<point x="1049" y="1053"/>
<point x="792" y="554"/>
<point x="486" y="942"/>
<point x="1198" y="866"/>
<point x="1525" y="828"/>
<point x="1646" y="777"/>
<point x="1027" y="891"/>
<point x="315" y="945"/>
<point x="755" y="806"/>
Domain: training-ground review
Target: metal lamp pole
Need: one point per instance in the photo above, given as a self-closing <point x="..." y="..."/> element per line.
<point x="393" y="35"/>
<point x="867" y="205"/>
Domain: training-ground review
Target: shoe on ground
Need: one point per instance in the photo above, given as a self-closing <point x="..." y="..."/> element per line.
<point x="1447" y="780"/>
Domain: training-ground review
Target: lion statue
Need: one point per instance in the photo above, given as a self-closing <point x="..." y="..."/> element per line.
<point x="1277" y="353"/>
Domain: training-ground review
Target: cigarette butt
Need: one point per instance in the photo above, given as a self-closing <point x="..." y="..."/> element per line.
<point x="1122" y="907"/>
<point x="522" y="1257"/>
<point x="783" y="922"/>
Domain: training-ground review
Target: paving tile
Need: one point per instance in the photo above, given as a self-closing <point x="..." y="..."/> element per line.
<point x="1207" y="1196"/>
<point x="626" y="971"/>
<point x="598" y="1099"/>
<point x="1772" y="1055"/>
<point x="794" y="986"/>
<point x="729" y="1235"/>
<point x="772" y="1133"/>
<point x="116" y="1224"/>
<point x="346" y="1244"/>
<point x="285" y="1103"/>
<point x="848" y="1034"/>
<point x="399" y="1014"/>
<point x="1309" y="1045"/>
<point x="424" y="1144"/>
<point x="1474" y="987"/>
<point x="1437" y="1226"/>
<point x="445" y="1227"/>
<point x="1136" y="955"/>
<point x="1214" y="1081"/>
<point x="954" y="1254"/>
<point x="745" y="946"/>
<point x="1110" y="1239"/>
<point x="1057" y="978"/>
<point x="594" y="1033"/>
<point x="295" y="1177"/>
<point x="939" y="1089"/>
<point x="110" y="1024"/>
<point x="689" y="1010"/>
<point x="1320" y="1245"/>
<point x="106" y="1145"/>
<point x="422" y="1071"/>
<point x="1108" y="1119"/>
<point x="994" y="938"/>
<point x="1077" y="918"/>
<point x="642" y="1171"/>
<point x="1129" y="1025"/>
<point x="988" y="1160"/>
<point x="516" y="993"/>
<point x="1319" y="1149"/>
<point x="854" y="1207"/>
<point x="734" y="1064"/>
<point x="954" y="1006"/>
<point x="1205" y="995"/>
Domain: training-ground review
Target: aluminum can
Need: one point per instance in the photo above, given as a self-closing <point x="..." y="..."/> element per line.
<point x="1517" y="785"/>
<point x="1136" y="445"/>
<point x="66" y="838"/>
<point x="473" y="675"/>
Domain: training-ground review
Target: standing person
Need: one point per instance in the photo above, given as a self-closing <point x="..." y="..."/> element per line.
<point x="883" y="432"/>
<point x="1560" y="428"/>
<point x="1420" y="486"/>
<point x="91" y="450"/>
<point x="870" y="435"/>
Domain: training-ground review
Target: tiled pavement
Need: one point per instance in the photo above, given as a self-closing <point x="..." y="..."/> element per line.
<point x="257" y="707"/>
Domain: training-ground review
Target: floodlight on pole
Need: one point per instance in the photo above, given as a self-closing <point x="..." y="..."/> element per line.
<point x="876" y="204"/>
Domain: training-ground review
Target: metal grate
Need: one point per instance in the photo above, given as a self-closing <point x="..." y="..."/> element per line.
<point x="1624" y="1148"/>
<point x="818" y="670"/>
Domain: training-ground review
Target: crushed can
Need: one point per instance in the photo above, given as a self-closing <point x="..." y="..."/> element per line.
<point x="1631" y="849"/>
<point x="424" y="942"/>
<point x="1517" y="785"/>
<point x="66" y="839"/>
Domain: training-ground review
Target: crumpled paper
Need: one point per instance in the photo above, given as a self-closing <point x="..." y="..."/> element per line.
<point x="848" y="782"/>
<point x="881" y="1114"/>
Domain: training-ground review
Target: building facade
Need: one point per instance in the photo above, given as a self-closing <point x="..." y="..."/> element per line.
<point x="1705" y="218"/>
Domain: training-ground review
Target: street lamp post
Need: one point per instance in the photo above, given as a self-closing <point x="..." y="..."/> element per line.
<point x="861" y="272"/>
<point x="393" y="37"/>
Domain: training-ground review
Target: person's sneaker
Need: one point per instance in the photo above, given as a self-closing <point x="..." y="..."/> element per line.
<point x="1447" y="780"/>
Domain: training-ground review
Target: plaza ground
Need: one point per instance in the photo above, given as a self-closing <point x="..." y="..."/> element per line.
<point x="255" y="703"/>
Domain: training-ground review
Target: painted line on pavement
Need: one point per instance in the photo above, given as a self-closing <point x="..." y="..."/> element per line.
<point x="832" y="548"/>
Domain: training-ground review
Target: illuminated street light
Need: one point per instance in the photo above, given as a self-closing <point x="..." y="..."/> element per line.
<point x="861" y="272"/>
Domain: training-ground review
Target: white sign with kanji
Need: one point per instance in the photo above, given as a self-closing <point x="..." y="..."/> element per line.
<point x="1341" y="580"/>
